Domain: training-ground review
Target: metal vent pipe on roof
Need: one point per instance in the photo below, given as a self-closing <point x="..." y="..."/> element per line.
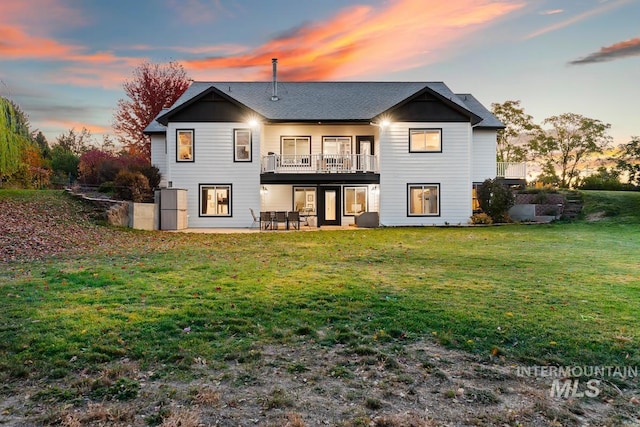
<point x="274" y="95"/>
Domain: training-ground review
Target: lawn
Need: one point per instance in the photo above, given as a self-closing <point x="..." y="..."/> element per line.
<point x="566" y="294"/>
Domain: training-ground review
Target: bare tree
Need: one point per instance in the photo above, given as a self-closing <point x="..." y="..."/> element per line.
<point x="152" y="88"/>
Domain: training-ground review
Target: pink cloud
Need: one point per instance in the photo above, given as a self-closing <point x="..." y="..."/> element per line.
<point x="360" y="40"/>
<point x="15" y="43"/>
<point x="619" y="50"/>
<point x="24" y="28"/>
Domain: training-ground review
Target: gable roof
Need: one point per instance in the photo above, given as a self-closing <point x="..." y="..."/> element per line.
<point x="325" y="101"/>
<point x="489" y="121"/>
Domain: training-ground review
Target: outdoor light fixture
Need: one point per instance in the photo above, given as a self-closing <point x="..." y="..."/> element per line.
<point x="381" y="123"/>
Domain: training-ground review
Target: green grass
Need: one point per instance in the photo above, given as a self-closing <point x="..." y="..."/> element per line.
<point x="618" y="207"/>
<point x="562" y="293"/>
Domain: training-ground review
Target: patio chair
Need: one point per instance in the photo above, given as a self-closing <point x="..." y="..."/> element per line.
<point x="281" y="216"/>
<point x="256" y="219"/>
<point x="293" y="219"/>
<point x="266" y="220"/>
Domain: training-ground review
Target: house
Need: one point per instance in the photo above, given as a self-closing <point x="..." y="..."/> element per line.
<point x="410" y="151"/>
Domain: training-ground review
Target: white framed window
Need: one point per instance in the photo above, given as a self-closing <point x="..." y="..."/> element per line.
<point x="215" y="199"/>
<point x="423" y="199"/>
<point x="184" y="145"/>
<point x="304" y="200"/>
<point x="295" y="150"/>
<point x="242" y="145"/>
<point x="339" y="145"/>
<point x="355" y="200"/>
<point x="425" y="140"/>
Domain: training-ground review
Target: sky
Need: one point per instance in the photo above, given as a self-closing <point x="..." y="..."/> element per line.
<point x="64" y="61"/>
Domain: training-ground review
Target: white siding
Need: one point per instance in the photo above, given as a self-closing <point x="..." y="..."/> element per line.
<point x="159" y="156"/>
<point x="450" y="168"/>
<point x="213" y="164"/>
<point x="483" y="163"/>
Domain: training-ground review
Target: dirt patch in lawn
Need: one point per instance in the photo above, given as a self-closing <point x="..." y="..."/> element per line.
<point x="418" y="384"/>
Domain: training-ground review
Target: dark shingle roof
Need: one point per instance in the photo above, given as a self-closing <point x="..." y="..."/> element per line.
<point x="155" y="126"/>
<point x="326" y="101"/>
<point x="489" y="121"/>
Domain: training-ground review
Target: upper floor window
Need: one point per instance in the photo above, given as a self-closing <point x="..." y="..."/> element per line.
<point x="425" y="140"/>
<point x="340" y="145"/>
<point x="242" y="145"/>
<point x="295" y="150"/>
<point x="424" y="199"/>
<point x="184" y="145"/>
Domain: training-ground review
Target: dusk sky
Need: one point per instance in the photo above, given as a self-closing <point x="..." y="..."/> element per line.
<point x="64" y="61"/>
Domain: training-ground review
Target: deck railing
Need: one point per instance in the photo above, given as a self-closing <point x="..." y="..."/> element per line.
<point x="513" y="170"/>
<point x="319" y="163"/>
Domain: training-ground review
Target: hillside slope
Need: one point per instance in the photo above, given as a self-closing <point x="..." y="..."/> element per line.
<point x="38" y="224"/>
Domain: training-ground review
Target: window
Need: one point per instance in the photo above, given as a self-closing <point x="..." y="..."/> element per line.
<point x="424" y="199"/>
<point x="184" y="145"/>
<point x="425" y="140"/>
<point x="340" y="145"/>
<point x="295" y="150"/>
<point x="304" y="200"/>
<point x="242" y="145"/>
<point x="475" y="203"/>
<point x="355" y="200"/>
<point x="215" y="199"/>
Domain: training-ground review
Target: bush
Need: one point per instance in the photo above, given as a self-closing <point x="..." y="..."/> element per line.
<point x="132" y="186"/>
<point x="92" y="167"/>
<point x="495" y="200"/>
<point x="153" y="175"/>
<point x="604" y="179"/>
<point x="107" y="187"/>
<point x="481" y="218"/>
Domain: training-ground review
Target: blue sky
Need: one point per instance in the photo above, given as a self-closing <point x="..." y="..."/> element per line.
<point x="64" y="61"/>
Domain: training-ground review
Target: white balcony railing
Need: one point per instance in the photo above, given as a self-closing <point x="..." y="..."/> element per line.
<point x="319" y="163"/>
<point x="512" y="170"/>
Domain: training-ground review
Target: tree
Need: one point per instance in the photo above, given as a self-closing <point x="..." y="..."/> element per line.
<point x="64" y="164"/>
<point x="41" y="141"/>
<point x="97" y="166"/>
<point x="565" y="147"/>
<point x="14" y="137"/>
<point x="518" y="125"/>
<point x="76" y="143"/>
<point x="628" y="160"/>
<point x="153" y="87"/>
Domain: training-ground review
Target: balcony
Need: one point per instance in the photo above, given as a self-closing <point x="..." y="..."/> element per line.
<point x="511" y="170"/>
<point x="319" y="163"/>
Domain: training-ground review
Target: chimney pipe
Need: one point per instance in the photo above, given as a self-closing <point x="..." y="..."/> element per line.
<point x="274" y="95"/>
